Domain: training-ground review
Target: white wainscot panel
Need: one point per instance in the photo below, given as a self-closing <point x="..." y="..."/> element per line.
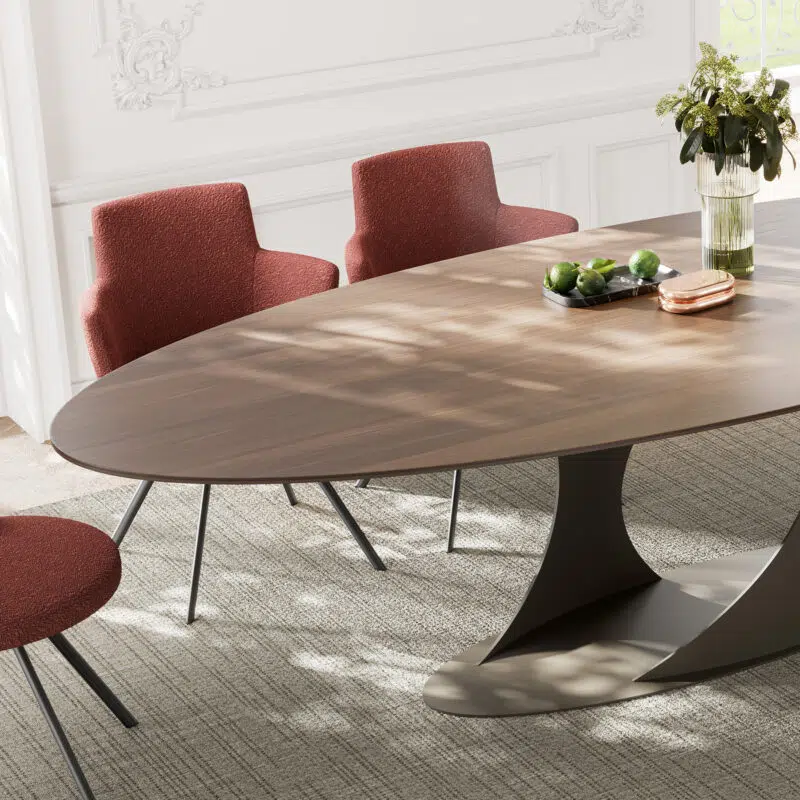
<point x="318" y="225"/>
<point x="73" y="232"/>
<point x="635" y="179"/>
<point x="529" y="181"/>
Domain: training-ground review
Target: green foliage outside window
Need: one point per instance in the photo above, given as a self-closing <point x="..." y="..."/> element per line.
<point x="747" y="25"/>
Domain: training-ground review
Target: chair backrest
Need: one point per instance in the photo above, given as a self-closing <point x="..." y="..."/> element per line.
<point x="423" y="205"/>
<point x="169" y="264"/>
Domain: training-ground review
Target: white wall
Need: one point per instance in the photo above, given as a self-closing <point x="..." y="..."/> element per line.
<point x="284" y="96"/>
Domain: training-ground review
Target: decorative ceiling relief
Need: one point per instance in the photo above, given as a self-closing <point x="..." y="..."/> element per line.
<point x="620" y="19"/>
<point x="147" y="59"/>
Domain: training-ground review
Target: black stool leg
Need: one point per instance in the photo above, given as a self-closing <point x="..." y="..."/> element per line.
<point x="54" y="725"/>
<point x="96" y="683"/>
<point x="362" y="483"/>
<point x="287" y="487"/>
<point x="352" y="526"/>
<point x="451" y="533"/>
<point x="198" y="553"/>
<point x="131" y="511"/>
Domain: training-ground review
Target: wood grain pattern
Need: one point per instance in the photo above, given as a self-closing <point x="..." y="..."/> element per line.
<point x="454" y="364"/>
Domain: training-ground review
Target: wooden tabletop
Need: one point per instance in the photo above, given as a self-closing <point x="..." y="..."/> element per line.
<point x="454" y="364"/>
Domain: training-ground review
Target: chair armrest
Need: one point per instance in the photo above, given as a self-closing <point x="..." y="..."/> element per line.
<point x="282" y="277"/>
<point x="357" y="262"/>
<point x="517" y="224"/>
<point x="96" y="332"/>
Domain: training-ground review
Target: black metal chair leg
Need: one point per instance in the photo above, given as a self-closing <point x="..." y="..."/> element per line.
<point x="96" y="683"/>
<point x="198" y="553"/>
<point x="54" y="725"/>
<point x="451" y="533"/>
<point x="287" y="487"/>
<point x="362" y="483"/>
<point x="352" y="526"/>
<point x="131" y="512"/>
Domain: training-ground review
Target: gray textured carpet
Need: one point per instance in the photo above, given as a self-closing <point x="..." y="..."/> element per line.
<point x="303" y="676"/>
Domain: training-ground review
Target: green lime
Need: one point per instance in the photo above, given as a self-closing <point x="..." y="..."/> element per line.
<point x="591" y="282"/>
<point x="644" y="264"/>
<point x="605" y="266"/>
<point x="562" y="277"/>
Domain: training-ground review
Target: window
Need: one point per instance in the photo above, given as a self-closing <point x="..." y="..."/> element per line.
<point x="761" y="32"/>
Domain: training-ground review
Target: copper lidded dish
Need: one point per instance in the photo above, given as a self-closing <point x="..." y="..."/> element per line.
<point x="696" y="291"/>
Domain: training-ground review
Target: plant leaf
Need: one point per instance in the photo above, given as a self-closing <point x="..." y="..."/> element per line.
<point x="756" y="153"/>
<point x="768" y="122"/>
<point x="719" y="161"/>
<point x="691" y="145"/>
<point x="735" y="130"/>
<point x="709" y="145"/>
<point x="709" y="95"/>
<point x="682" y="116"/>
<point x="719" y="153"/>
<point x="780" y="89"/>
<point x="774" y="146"/>
<point x="771" y="169"/>
<point x="791" y="155"/>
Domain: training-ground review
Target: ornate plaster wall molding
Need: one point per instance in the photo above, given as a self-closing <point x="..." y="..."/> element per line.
<point x="147" y="59"/>
<point x="620" y="19"/>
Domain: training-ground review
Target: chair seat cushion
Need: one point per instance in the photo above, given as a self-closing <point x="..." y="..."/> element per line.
<point x="53" y="574"/>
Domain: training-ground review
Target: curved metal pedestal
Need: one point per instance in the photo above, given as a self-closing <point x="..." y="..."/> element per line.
<point x="597" y="625"/>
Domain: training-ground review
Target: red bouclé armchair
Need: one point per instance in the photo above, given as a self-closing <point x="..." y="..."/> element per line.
<point x="176" y="262"/>
<point x="428" y="204"/>
<point x="180" y="261"/>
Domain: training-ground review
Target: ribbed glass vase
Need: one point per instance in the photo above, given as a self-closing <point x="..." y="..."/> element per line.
<point x="727" y="201"/>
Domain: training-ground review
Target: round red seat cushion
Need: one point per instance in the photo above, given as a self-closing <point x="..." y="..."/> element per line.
<point x="53" y="574"/>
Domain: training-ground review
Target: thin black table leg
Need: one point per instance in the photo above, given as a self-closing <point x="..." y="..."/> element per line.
<point x="96" y="683"/>
<point x="131" y="511"/>
<point x="352" y="526"/>
<point x="55" y="726"/>
<point x="451" y="533"/>
<point x="198" y="554"/>
<point x="362" y="483"/>
<point x="287" y="487"/>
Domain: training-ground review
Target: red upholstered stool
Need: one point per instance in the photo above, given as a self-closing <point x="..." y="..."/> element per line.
<point x="55" y="573"/>
<point x="428" y="204"/>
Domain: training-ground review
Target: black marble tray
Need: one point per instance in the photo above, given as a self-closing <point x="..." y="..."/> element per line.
<point x="621" y="285"/>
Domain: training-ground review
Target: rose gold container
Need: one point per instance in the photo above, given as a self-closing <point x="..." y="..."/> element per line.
<point x="696" y="291"/>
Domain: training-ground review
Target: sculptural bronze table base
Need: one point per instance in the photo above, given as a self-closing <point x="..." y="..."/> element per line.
<point x="598" y="625"/>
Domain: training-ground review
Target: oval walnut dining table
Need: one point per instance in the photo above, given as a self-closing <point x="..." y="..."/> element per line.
<point x="463" y="363"/>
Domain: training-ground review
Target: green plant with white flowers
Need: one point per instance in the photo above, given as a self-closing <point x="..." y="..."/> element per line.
<point x="721" y="112"/>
